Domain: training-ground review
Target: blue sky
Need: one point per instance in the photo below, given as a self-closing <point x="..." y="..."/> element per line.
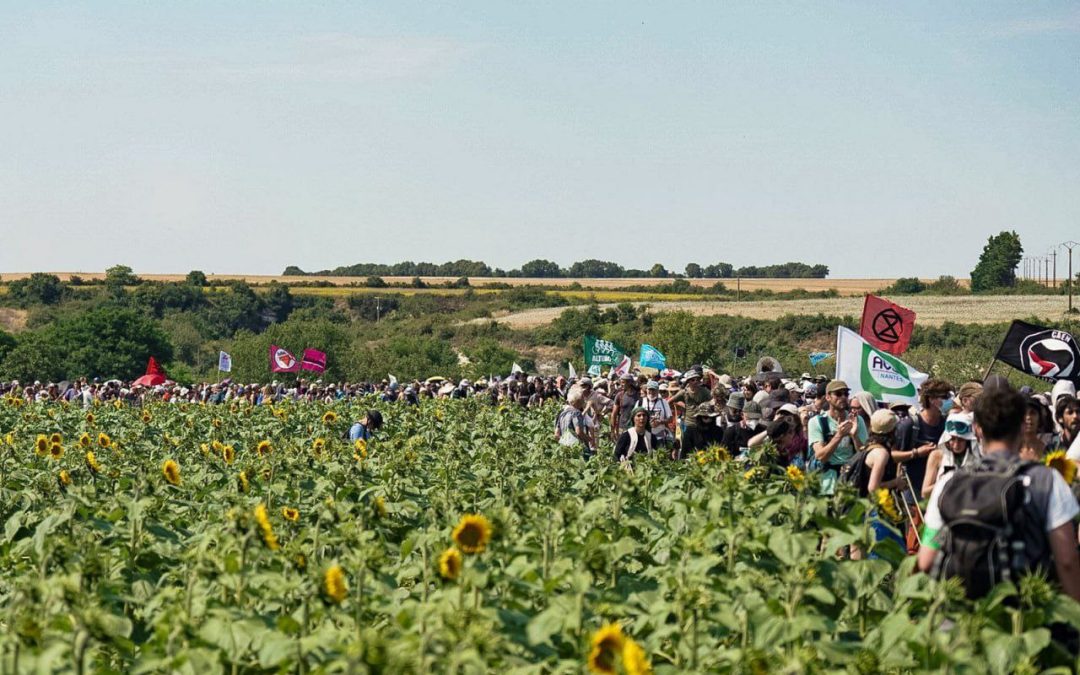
<point x="882" y="139"/>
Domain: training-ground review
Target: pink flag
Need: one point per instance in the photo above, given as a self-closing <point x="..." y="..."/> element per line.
<point x="314" y="360"/>
<point x="281" y="361"/>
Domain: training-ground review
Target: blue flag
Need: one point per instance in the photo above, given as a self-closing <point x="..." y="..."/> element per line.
<point x="818" y="357"/>
<point x="651" y="357"/>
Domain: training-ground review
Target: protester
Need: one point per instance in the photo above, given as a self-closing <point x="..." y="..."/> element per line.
<point x="834" y="437"/>
<point x="1067" y="417"/>
<point x="1031" y="446"/>
<point x="371" y="422"/>
<point x="1030" y="504"/>
<point x="659" y="413"/>
<point x="638" y="439"/>
<point x="918" y="435"/>
<point x="570" y="426"/>
<point x="958" y="449"/>
<point x="624" y="404"/>
<point x="737" y="436"/>
<point x="881" y="472"/>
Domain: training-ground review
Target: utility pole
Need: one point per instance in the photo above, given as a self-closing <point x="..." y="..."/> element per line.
<point x="1070" y="245"/>
<point x="1053" y="279"/>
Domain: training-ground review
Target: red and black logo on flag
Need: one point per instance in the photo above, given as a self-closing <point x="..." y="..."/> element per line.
<point x="886" y="325"/>
<point x="1043" y="352"/>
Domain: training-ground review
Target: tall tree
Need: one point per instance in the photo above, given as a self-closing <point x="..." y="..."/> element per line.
<point x="997" y="264"/>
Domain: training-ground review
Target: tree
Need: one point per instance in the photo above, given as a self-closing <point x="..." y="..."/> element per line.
<point x="997" y="264"/>
<point x="658" y="271"/>
<point x="37" y="289"/>
<point x="279" y="301"/>
<point x="540" y="268"/>
<point x="293" y="271"/>
<point x="121" y="275"/>
<point x="196" y="278"/>
<point x="694" y="271"/>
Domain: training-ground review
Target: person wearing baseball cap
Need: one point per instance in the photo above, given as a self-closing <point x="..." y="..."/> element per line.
<point x="835" y="436"/>
<point x="692" y="395"/>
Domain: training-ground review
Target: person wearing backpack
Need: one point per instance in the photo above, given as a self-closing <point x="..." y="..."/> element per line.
<point x="873" y="469"/>
<point x="1001" y="517"/>
<point x="834" y="436"/>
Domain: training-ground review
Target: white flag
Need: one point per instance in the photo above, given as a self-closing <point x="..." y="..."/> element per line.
<point x="865" y="368"/>
<point x="393" y="380"/>
<point x="624" y="366"/>
<point x="224" y="362"/>
<point x="573" y="373"/>
<point x="516" y="369"/>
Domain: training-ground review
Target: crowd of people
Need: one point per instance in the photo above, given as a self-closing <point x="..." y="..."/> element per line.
<point x="967" y="436"/>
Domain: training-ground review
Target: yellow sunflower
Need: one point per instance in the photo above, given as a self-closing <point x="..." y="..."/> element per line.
<point x="702" y="457"/>
<point x="473" y="532"/>
<point x="263" y="519"/>
<point x="147" y="418"/>
<point x="228" y="454"/>
<point x="291" y="515"/>
<point x="41" y="445"/>
<point x="217" y="446"/>
<point x="1065" y="466"/>
<point x="380" y="506"/>
<point x="103" y="440"/>
<point x="242" y="482"/>
<point x="607" y="646"/>
<point x="329" y="417"/>
<point x="360" y="448"/>
<point x="634" y="660"/>
<point x="90" y="418"/>
<point x="92" y="463"/>
<point x="216" y="423"/>
<point x="317" y="446"/>
<point x="450" y="563"/>
<point x="84" y="440"/>
<point x="64" y="478"/>
<point x="263" y="448"/>
<point x="56" y="439"/>
<point x="796" y="477"/>
<point x="9" y="438"/>
<point x="56" y="451"/>
<point x="171" y="470"/>
<point x="887" y="505"/>
<point x="204" y="449"/>
<point x="334" y="584"/>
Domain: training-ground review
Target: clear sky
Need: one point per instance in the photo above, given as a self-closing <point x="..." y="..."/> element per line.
<point x="882" y="139"/>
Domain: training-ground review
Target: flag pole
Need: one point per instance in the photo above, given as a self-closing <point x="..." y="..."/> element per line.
<point x="988" y="369"/>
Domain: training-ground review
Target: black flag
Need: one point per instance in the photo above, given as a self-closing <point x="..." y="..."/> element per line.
<point x="1047" y="353"/>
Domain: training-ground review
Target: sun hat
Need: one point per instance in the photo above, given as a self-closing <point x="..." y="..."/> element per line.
<point x="703" y="410"/>
<point x="789" y="408"/>
<point x="752" y="411"/>
<point x="736" y="401"/>
<point x="725" y="380"/>
<point x="883" y="422"/>
<point x="960" y="425"/>
<point x="652" y="384"/>
<point x="1061" y="387"/>
<point x="791" y="386"/>
<point x="761" y="396"/>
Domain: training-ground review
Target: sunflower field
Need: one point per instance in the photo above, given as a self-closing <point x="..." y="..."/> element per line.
<point x="462" y="538"/>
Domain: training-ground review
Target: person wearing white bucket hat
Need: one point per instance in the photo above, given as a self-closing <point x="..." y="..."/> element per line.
<point x="958" y="447"/>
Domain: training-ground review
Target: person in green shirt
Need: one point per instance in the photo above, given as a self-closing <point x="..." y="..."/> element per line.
<point x="835" y="436"/>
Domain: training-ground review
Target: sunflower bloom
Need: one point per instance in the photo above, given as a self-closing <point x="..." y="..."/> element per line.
<point x="329" y="417"/>
<point x="796" y="477"/>
<point x="242" y="482"/>
<point x="9" y="438"/>
<point x="634" y="660"/>
<point x="64" y="478"/>
<point x="291" y="515"/>
<point x="887" y="505"/>
<point x="702" y="457"/>
<point x="267" y="530"/>
<point x="55" y="438"/>
<point x="450" y="563"/>
<point x="1062" y="464"/>
<point x="473" y="532"/>
<point x="380" y="506"/>
<point x="334" y="584"/>
<point x="147" y="418"/>
<point x="360" y="448"/>
<point x="228" y="454"/>
<point x="263" y="448"/>
<point x="92" y="463"/>
<point x="41" y="445"/>
<point x="607" y="646"/>
<point x="84" y="440"/>
<point x="216" y="423"/>
<point x="103" y="440"/>
<point x="171" y="470"/>
<point x="90" y="418"/>
<point x="56" y="451"/>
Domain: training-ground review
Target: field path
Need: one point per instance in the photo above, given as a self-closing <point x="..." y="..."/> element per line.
<point x="933" y="310"/>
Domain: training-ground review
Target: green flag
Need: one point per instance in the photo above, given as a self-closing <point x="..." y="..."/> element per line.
<point x="600" y="352"/>
<point x="865" y="368"/>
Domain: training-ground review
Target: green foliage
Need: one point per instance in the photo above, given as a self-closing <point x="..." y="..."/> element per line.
<point x="195" y="278"/>
<point x="375" y="282"/>
<point x="540" y="269"/>
<point x="106" y="342"/>
<point x="121" y="275"/>
<point x="36" y="289"/>
<point x="997" y="264"/>
<point x="250" y="351"/>
<point x="707" y="567"/>
<point x="905" y="286"/>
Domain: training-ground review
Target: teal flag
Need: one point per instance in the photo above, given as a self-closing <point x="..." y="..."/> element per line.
<point x="650" y="357"/>
<point x="601" y="353"/>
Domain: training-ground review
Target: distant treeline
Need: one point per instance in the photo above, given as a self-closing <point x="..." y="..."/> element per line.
<point x="584" y="269"/>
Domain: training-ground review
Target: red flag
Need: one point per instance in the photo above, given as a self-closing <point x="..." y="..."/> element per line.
<point x="281" y="361"/>
<point x="314" y="360"/>
<point x="886" y="325"/>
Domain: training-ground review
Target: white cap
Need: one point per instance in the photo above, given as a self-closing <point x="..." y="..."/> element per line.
<point x="1062" y="387"/>
<point x="760" y="396"/>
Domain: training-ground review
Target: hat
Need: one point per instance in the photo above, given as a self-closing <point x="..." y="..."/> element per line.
<point x="761" y="396"/>
<point x="899" y="405"/>
<point x="585" y="381"/>
<point x="627" y="377"/>
<point x="805" y="376"/>
<point x="736" y="401"/>
<point x="810" y="390"/>
<point x="960" y="425"/>
<point x="836" y="385"/>
<point x="653" y="384"/>
<point x="703" y="410"/>
<point x="725" y="380"/>
<point x="789" y="408"/>
<point x="883" y="422"/>
<point x="791" y="386"/>
<point x="778" y="428"/>
<point x="752" y="411"/>
<point x="1061" y="387"/>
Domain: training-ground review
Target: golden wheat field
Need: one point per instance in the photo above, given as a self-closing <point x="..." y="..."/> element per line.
<point x="932" y="310"/>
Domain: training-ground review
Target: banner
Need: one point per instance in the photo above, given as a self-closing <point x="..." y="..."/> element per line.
<point x="866" y="368"/>
<point x="313" y="360"/>
<point x="573" y="373"/>
<point x="622" y="367"/>
<point x="650" y="357"/>
<point x="601" y="353"/>
<point x="224" y="362"/>
<point x="281" y="361"/>
<point x="886" y="325"/>
<point x="818" y="357"/>
<point x="1043" y="352"/>
<point x="515" y="369"/>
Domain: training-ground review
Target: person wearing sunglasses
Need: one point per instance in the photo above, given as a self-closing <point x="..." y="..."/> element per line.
<point x="918" y="435"/>
<point x="958" y="448"/>
<point x="835" y="436"/>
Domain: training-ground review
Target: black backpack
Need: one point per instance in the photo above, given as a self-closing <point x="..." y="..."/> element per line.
<point x="982" y="541"/>
<point x="854" y="472"/>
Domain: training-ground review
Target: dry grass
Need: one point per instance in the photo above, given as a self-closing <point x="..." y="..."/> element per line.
<point x="932" y="310"/>
<point x="846" y="287"/>
<point x="12" y="320"/>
